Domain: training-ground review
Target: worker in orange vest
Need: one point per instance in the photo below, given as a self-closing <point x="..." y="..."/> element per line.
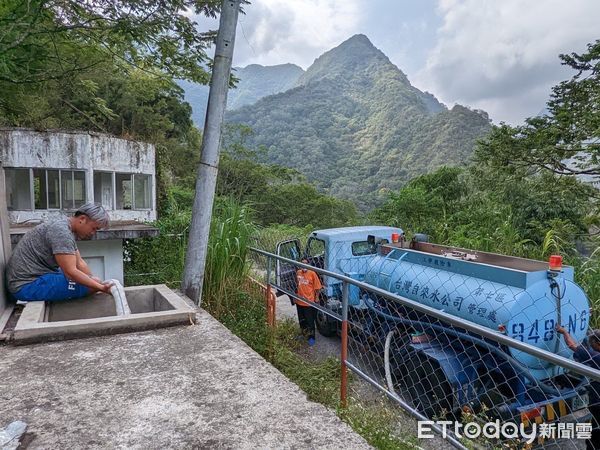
<point x="309" y="286"/>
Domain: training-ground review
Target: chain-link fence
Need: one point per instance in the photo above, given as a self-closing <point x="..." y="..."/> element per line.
<point x="474" y="345"/>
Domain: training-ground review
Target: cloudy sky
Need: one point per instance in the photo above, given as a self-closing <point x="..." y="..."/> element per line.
<point x="496" y="55"/>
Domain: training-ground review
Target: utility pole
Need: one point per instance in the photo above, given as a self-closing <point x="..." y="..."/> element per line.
<point x="195" y="259"/>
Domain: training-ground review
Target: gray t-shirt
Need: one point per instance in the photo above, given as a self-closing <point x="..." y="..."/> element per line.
<point x="34" y="254"/>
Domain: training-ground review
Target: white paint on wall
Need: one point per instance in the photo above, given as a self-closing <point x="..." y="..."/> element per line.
<point x="115" y="215"/>
<point x="96" y="265"/>
<point x="5" y="251"/>
<point x="105" y="258"/>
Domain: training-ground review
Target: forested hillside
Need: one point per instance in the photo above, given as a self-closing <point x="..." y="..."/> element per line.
<point x="356" y="126"/>
<point x="254" y="82"/>
<point x="353" y="123"/>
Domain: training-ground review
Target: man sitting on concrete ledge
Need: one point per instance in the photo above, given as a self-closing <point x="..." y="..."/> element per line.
<point x="46" y="264"/>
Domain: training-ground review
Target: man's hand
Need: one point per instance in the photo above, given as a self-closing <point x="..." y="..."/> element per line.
<point x="569" y="341"/>
<point x="106" y="287"/>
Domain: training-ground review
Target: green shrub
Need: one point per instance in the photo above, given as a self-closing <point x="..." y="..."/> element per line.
<point x="161" y="259"/>
<point x="226" y="265"/>
<point x="158" y="259"/>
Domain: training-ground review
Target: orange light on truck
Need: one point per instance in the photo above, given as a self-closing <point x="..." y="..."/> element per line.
<point x="555" y="262"/>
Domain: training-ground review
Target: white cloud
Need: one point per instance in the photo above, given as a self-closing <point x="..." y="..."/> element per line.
<point x="298" y="31"/>
<point x="502" y="56"/>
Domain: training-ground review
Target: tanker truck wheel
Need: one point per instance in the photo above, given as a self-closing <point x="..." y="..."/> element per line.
<point x="326" y="326"/>
<point x="422" y="382"/>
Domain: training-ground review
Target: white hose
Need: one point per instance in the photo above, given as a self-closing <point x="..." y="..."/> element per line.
<point x="118" y="294"/>
<point x="386" y="361"/>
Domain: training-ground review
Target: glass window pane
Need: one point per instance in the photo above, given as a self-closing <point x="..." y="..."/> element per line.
<point x="18" y="189"/>
<point x="143" y="189"/>
<point x="103" y="189"/>
<point x="53" y="189"/>
<point x="124" y="190"/>
<point x="39" y="189"/>
<point x="78" y="189"/>
<point x="315" y="247"/>
<point x="289" y="250"/>
<point x="362" y="248"/>
<point x="66" y="177"/>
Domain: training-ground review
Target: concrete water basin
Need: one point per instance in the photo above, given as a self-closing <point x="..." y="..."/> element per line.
<point x="153" y="306"/>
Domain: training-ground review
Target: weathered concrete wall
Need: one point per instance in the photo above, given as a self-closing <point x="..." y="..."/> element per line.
<point x="24" y="148"/>
<point x="119" y="155"/>
<point x="71" y="150"/>
<point x="105" y="258"/>
<point x="115" y="215"/>
<point x="5" y="249"/>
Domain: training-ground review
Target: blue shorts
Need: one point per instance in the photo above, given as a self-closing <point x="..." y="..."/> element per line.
<point x="51" y="287"/>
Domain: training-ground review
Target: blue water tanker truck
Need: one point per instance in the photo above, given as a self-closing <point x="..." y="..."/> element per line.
<point x="441" y="368"/>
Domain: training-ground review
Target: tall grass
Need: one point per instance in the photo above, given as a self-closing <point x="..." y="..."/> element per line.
<point x="231" y="232"/>
<point x="161" y="259"/>
<point x="267" y="238"/>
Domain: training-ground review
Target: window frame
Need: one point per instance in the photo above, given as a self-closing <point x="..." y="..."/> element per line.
<point x="60" y="179"/>
<point x="30" y="187"/>
<point x="364" y="253"/>
<point x="59" y="193"/>
<point x="113" y="187"/>
<point x="61" y="205"/>
<point x="132" y="178"/>
<point x="62" y="202"/>
<point x="369" y="250"/>
<point x="150" y="184"/>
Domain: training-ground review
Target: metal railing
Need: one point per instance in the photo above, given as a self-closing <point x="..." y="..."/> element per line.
<point x="388" y="324"/>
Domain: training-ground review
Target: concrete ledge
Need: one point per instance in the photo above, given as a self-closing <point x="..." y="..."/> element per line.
<point x="34" y="324"/>
<point x="116" y="230"/>
<point x="4" y="316"/>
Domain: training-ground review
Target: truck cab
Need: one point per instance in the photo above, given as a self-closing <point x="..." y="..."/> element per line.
<point x="346" y="251"/>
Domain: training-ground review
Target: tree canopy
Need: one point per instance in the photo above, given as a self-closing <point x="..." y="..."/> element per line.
<point x="45" y="40"/>
<point x="526" y="192"/>
<point x="277" y="194"/>
<point x="566" y="140"/>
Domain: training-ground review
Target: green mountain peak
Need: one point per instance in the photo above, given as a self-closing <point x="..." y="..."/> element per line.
<point x="354" y="58"/>
<point x="355" y="125"/>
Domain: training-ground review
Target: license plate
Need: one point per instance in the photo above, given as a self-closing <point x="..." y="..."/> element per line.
<point x="580" y="402"/>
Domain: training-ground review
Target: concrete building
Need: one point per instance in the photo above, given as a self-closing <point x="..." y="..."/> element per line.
<point x="49" y="173"/>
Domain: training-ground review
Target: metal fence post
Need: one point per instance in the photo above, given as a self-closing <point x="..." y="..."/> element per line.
<point x="269" y="300"/>
<point x="344" y="356"/>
